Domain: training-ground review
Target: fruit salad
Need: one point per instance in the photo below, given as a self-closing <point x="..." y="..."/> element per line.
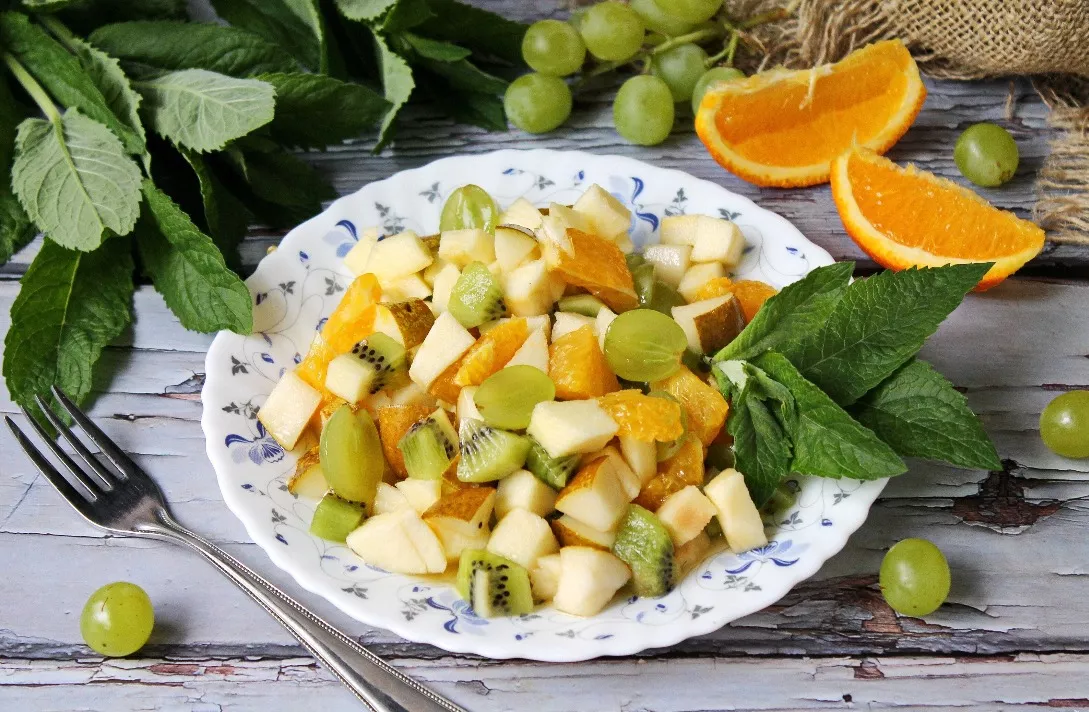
<point x="523" y="400"/>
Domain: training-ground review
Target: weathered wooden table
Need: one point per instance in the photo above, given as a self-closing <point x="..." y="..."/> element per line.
<point x="1015" y="631"/>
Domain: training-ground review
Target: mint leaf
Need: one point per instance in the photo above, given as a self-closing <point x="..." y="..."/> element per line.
<point x="203" y="110"/>
<point x="406" y="14"/>
<point x="483" y="110"/>
<point x="188" y="269"/>
<point x="761" y="446"/>
<point x="466" y="76"/>
<point x="397" y="84"/>
<point x="105" y="72"/>
<point x="435" y="49"/>
<point x="295" y="25"/>
<point x="16" y="230"/>
<point x="364" y="10"/>
<point x="798" y="309"/>
<point x="345" y="110"/>
<point x="227" y="217"/>
<point x="920" y="414"/>
<point x="878" y="325"/>
<point x="189" y="45"/>
<point x="61" y="75"/>
<point x="827" y="441"/>
<point x="75" y="181"/>
<point x="479" y="30"/>
<point x="70" y="306"/>
<point x="291" y="190"/>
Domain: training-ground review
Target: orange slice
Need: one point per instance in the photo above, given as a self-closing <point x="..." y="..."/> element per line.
<point x="393" y="422"/>
<point x="578" y="368"/>
<point x="491" y="352"/>
<point x="905" y="217"/>
<point x="683" y="469"/>
<point x="643" y="417"/>
<point x="706" y="408"/>
<point x="597" y="265"/>
<point x="784" y="128"/>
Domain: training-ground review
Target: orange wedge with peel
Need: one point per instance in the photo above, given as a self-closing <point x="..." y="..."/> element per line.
<point x="905" y="217"/>
<point x="784" y="128"/>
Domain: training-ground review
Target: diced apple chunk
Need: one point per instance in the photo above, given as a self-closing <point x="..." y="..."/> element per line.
<point x="460" y="519"/>
<point x="445" y="344"/>
<point x="398" y="256"/>
<point x="670" y="262"/>
<point x="641" y="456"/>
<point x="589" y="578"/>
<point x="527" y="289"/>
<point x="679" y="230"/>
<point x="466" y="407"/>
<point x="566" y="322"/>
<point x="595" y="495"/>
<point x="523" y="537"/>
<point x="359" y="256"/>
<point x="697" y="276"/>
<point x="421" y="494"/>
<point x="572" y="532"/>
<point x="389" y="499"/>
<point x="349" y="378"/>
<point x="288" y="409"/>
<point x="523" y="490"/>
<point x="544" y="578"/>
<point x="607" y="216"/>
<point x="718" y="241"/>
<point x="605" y="317"/>
<point x="521" y="212"/>
<point x="685" y="513"/>
<point x="553" y="231"/>
<point x="568" y="427"/>
<point x="710" y="324"/>
<point x="738" y="516"/>
<point x="460" y="247"/>
<point x="533" y="352"/>
<point x="443" y="286"/>
<point x="399" y="542"/>
<point x="514" y="248"/>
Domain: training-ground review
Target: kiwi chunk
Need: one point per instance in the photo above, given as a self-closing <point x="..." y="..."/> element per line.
<point x="553" y="471"/>
<point x="634" y="259"/>
<point x="386" y="357"/>
<point x="643" y="543"/>
<point x="492" y="585"/>
<point x="336" y="518"/>
<point x="476" y="297"/>
<point x="489" y="454"/>
<point x="585" y="304"/>
<point x="429" y="446"/>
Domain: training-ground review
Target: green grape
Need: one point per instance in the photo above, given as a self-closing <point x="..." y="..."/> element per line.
<point x="986" y="155"/>
<point x="553" y="47"/>
<point x="914" y="577"/>
<point x="644" y="345"/>
<point x="506" y="398"/>
<point x="690" y="10"/>
<point x="666" y="450"/>
<point x="712" y="76"/>
<point x="643" y="110"/>
<point x="469" y="206"/>
<point x="680" y="68"/>
<point x="117" y="619"/>
<point x="1064" y="424"/>
<point x="660" y="21"/>
<point x="351" y="455"/>
<point x="537" y="103"/>
<point x="612" y="31"/>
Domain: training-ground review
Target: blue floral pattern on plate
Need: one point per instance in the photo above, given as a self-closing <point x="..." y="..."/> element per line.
<point x="297" y="286"/>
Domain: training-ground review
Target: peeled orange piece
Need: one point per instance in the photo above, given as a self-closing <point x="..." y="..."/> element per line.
<point x="905" y="217"/>
<point x="351" y="322"/>
<point x="446" y="387"/>
<point x="643" y="417"/>
<point x="578" y="368"/>
<point x="491" y="352"/>
<point x="597" y="265"/>
<point x="706" y="408"/>
<point x="784" y="128"/>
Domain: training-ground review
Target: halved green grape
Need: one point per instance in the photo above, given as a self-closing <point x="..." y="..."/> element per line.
<point x="659" y="20"/>
<point x="690" y="10"/>
<point x="713" y="75"/>
<point x="666" y="450"/>
<point x="537" y="103"/>
<point x="914" y="577"/>
<point x="467" y="207"/>
<point x="680" y="68"/>
<point x="1064" y="424"/>
<point x="585" y="304"/>
<point x="986" y="154"/>
<point x="553" y="47"/>
<point x="643" y="110"/>
<point x="117" y="619"/>
<point x="644" y="345"/>
<point x="351" y="456"/>
<point x="506" y="398"/>
<point x="654" y="293"/>
<point x="612" y="31"/>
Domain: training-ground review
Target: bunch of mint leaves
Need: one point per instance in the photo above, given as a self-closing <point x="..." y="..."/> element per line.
<point x="824" y="381"/>
<point x="143" y="144"/>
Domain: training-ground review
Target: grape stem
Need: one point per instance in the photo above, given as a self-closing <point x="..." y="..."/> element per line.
<point x="727" y="52"/>
<point x="696" y="37"/>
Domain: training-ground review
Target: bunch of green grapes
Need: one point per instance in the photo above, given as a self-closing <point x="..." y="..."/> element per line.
<point x="662" y="37"/>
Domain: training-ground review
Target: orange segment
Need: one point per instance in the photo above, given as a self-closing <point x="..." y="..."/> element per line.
<point x="752" y="294"/>
<point x="879" y="203"/>
<point x="643" y="417"/>
<point x="491" y="352"/>
<point x="683" y="469"/>
<point x="351" y="322"/>
<point x="578" y="368"/>
<point x="597" y="265"/>
<point x="393" y="423"/>
<point x="445" y="387"/>
<point x="717" y="287"/>
<point x="784" y="128"/>
<point x="706" y="408"/>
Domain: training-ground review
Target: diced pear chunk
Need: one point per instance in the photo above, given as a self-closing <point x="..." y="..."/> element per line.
<point x="528" y="290"/>
<point x="710" y="324"/>
<point x="521" y="212"/>
<point x="697" y="276"/>
<point x="444" y="345"/>
<point x="628" y="479"/>
<point x="566" y="322"/>
<point x="389" y="499"/>
<point x="553" y="231"/>
<point x="404" y="288"/>
<point x="670" y="262"/>
<point x="460" y="519"/>
<point x="514" y="248"/>
<point x="466" y="407"/>
<point x="544" y="578"/>
<point x="595" y="495"/>
<point x="523" y="490"/>
<point x="443" y="286"/>
<point x="288" y="409"/>
<point x="460" y="247"/>
<point x="572" y="532"/>
<point x="568" y="427"/>
<point x="685" y="513"/>
<point x="399" y="542"/>
<point x="533" y="352"/>
<point x="679" y="229"/>
<point x="523" y="537"/>
<point x="589" y="578"/>
<point x="738" y="516"/>
<point x="641" y="456"/>
<point x="421" y="494"/>
<point x="607" y="216"/>
<point x="398" y="256"/>
<point x="718" y="241"/>
<point x="349" y="378"/>
<point x="359" y="256"/>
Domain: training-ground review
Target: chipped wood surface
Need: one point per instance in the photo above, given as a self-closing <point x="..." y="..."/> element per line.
<point x="1014" y="633"/>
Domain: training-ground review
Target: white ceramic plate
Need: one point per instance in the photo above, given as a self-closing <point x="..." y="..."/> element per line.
<point x="295" y="289"/>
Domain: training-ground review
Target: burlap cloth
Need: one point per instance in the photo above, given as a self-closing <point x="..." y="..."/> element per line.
<point x="964" y="39"/>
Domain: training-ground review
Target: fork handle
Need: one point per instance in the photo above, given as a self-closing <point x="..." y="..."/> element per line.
<point x="378" y="684"/>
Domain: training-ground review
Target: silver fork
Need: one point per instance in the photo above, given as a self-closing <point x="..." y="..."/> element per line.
<point x="129" y="503"/>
